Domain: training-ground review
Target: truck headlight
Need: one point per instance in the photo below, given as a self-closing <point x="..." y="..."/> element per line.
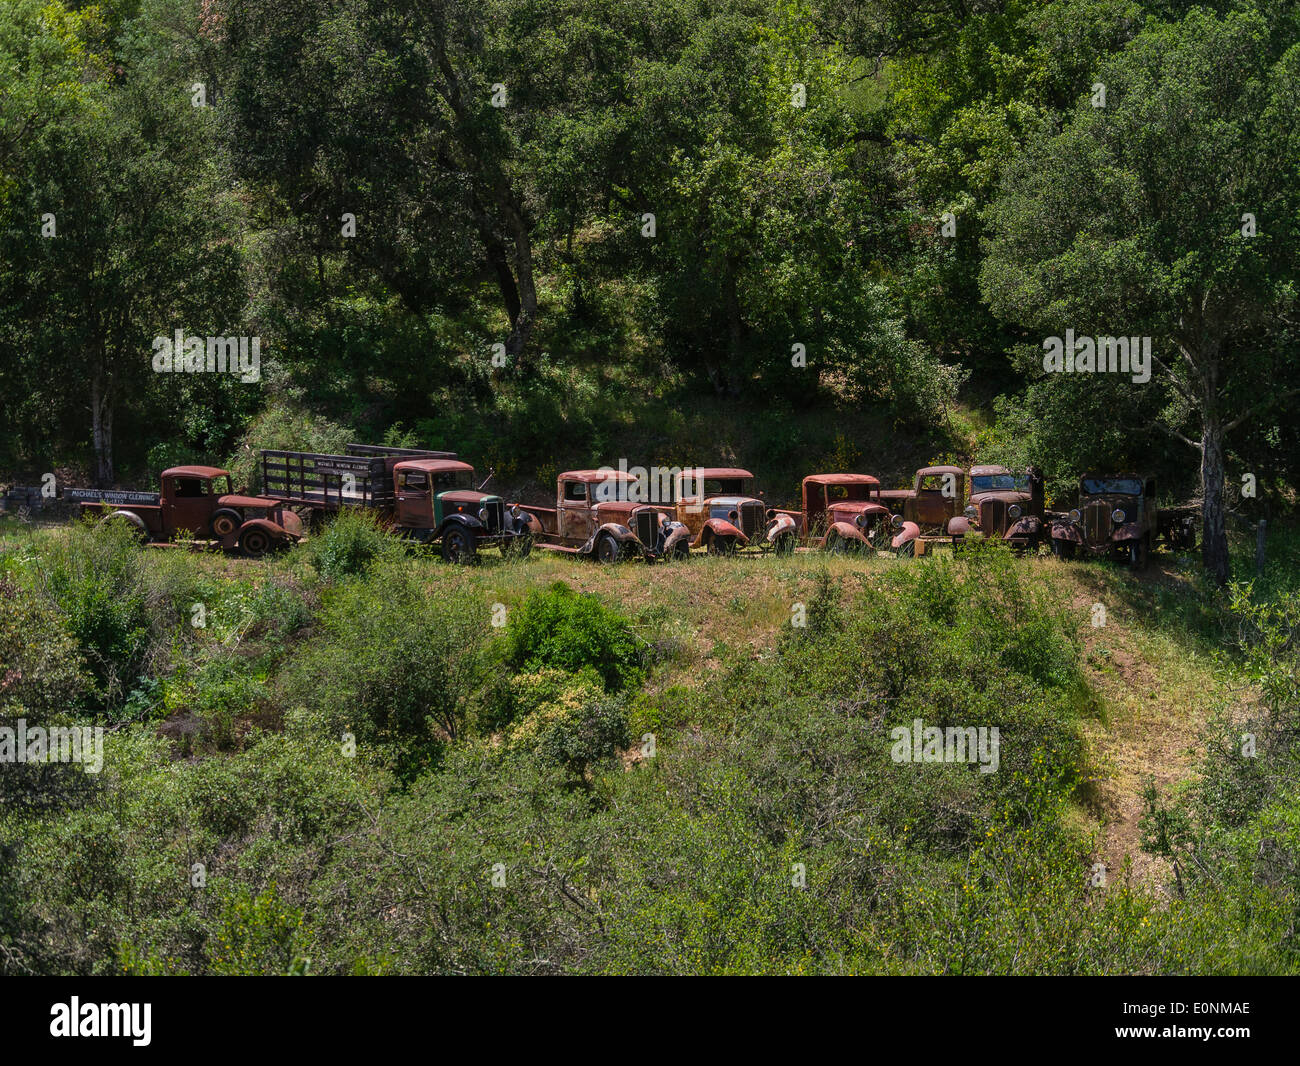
<point x="897" y="521"/>
<point x="971" y="512"/>
<point x="514" y="510"/>
<point x="861" y="521"/>
<point x="1117" y="515"/>
<point x="482" y="514"/>
<point x="1014" y="510"/>
<point x="1076" y="516"/>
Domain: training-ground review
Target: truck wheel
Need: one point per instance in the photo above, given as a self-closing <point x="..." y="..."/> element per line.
<point x="225" y="522"/>
<point x="1137" y="554"/>
<point x="722" y="545"/>
<point x="608" y="550"/>
<point x="906" y="551"/>
<point x="681" y="551"/>
<point x="517" y="547"/>
<point x="255" y="543"/>
<point x="458" y="546"/>
<point x="1063" y="549"/>
<point x="785" y="544"/>
<point x="837" y="545"/>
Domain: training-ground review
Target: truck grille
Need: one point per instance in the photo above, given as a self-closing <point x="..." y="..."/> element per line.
<point x="752" y="518"/>
<point x="993" y="517"/>
<point x="1096" y="524"/>
<point x="645" y="524"/>
<point x="496" y="512"/>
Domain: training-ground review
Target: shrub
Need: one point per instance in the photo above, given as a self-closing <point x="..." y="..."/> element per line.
<point x="348" y="545"/>
<point x="559" y="627"/>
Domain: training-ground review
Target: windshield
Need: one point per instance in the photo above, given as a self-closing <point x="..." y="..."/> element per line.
<point x="999" y="483"/>
<point x="1118" y="486"/>
<point x="452" y="479"/>
<point x="850" y="492"/>
<point x="610" y="491"/>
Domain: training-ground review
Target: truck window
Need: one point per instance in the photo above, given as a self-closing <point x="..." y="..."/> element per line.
<point x="415" y="480"/>
<point x="575" y="491"/>
<point x="446" y="480"/>
<point x="189" y="487"/>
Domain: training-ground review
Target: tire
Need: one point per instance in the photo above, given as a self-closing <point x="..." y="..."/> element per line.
<point x="785" y="544"/>
<point x="517" y="547"/>
<point x="608" y="550"/>
<point x="1063" y="549"/>
<point x="906" y="551"/>
<point x="225" y="523"/>
<point x="458" y="545"/>
<point x="1137" y="554"/>
<point x="836" y="545"/>
<point x="256" y="543"/>
<point x="722" y="545"/>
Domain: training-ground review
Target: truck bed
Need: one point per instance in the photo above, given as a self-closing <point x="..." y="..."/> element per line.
<point x="363" y="477"/>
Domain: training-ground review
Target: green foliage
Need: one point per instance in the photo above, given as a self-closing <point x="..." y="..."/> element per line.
<point x="561" y="628"/>
<point x="348" y="545"/>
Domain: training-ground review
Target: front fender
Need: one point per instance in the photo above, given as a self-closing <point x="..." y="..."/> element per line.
<point x="274" y="529"/>
<point x="848" y="531"/>
<point x="1067" y="531"/>
<point x="906" y="534"/>
<point x="718" y="527"/>
<point x="678" y="534"/>
<point x="614" y="529"/>
<point x="959" y="526"/>
<point x="470" y="523"/>
<point x="1128" y="531"/>
<point x="529" y="523"/>
<point x="1027" y="527"/>
<point x="781" y="525"/>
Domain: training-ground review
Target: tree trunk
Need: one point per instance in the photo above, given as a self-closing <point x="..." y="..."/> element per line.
<point x="1214" y="538"/>
<point x="101" y="426"/>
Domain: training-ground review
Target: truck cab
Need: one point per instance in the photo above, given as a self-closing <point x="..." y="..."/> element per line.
<point x="718" y="506"/>
<point x="436" y="500"/>
<point x="841" y="512"/>
<point x="1116" y="516"/>
<point x="1002" y="504"/>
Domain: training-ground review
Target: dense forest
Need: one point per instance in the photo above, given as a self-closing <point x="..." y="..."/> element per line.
<point x="788" y="235"/>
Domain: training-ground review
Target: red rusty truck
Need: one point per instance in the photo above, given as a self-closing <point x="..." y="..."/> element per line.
<point x="196" y="501"/>
<point x="922" y="513"/>
<point x="427" y="496"/>
<point x="598" y="514"/>
<point x="1002" y="504"/>
<point x="841" y="513"/>
<point x="717" y="504"/>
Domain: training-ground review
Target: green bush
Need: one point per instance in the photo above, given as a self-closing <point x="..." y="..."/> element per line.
<point x="348" y="545"/>
<point x="561" y="628"/>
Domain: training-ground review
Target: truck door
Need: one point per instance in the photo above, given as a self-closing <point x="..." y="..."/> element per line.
<point x="414" y="500"/>
<point x="189" y="504"/>
<point x="575" y="519"/>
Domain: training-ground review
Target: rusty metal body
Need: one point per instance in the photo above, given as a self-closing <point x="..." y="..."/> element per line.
<point x="197" y="500"/>
<point x="595" y="516"/>
<point x="1117" y="515"/>
<point x="717" y="504"/>
<point x="922" y="513"/>
<point x="1002" y="504"/>
<point x="427" y="496"/>
<point x="840" y="512"/>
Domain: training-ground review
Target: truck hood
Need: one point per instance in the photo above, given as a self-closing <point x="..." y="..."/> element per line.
<point x="236" y="500"/>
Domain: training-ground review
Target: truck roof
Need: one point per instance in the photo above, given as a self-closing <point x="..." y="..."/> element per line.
<point x="597" y="475"/>
<point x="928" y="471"/>
<point x="716" y="472"/>
<point x="195" y="471"/>
<point x="841" y="479"/>
<point x="985" y="471"/>
<point x="433" y="466"/>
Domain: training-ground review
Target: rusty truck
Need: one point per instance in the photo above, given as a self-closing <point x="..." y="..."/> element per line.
<point x="923" y="512"/>
<point x="717" y="504"/>
<point x="426" y="496"/>
<point x="840" y="513"/>
<point x="1118" y="516"/>
<point x="196" y="501"/>
<point x="597" y="514"/>
<point x="1002" y="504"/>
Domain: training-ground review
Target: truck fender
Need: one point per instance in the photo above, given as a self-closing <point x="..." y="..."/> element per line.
<point x="1128" y="531"/>
<point x="1066" y="531"/>
<point x="530" y="523"/>
<point x="907" y="533"/>
<point x="677" y="533"/>
<point x="468" y="521"/>
<point x="128" y="516"/>
<point x="1028" y="526"/>
<point x="959" y="526"/>
<point x="613" y="529"/>
<point x="781" y="525"/>
<point x="718" y="527"/>
<point x="847" y="531"/>
<point x="274" y="529"/>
